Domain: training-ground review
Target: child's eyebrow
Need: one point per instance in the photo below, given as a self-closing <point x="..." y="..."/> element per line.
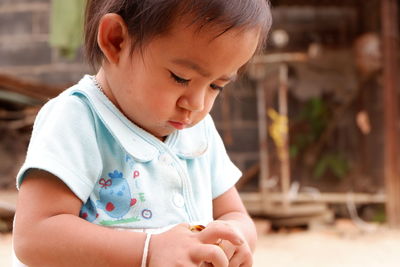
<point x="196" y="67"/>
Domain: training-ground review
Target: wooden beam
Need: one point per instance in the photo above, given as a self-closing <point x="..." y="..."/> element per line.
<point x="35" y="90"/>
<point x="329" y="198"/>
<point x="390" y="39"/>
<point x="305" y="203"/>
<point x="249" y="174"/>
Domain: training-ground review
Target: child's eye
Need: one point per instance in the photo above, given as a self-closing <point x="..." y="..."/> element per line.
<point x="179" y="79"/>
<point x="216" y="87"/>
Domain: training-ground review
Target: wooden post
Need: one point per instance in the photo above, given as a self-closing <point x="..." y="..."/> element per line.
<point x="257" y="72"/>
<point x="284" y="151"/>
<point x="263" y="141"/>
<point x="390" y="40"/>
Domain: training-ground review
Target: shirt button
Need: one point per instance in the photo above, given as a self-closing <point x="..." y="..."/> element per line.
<point x="179" y="201"/>
<point x="165" y="158"/>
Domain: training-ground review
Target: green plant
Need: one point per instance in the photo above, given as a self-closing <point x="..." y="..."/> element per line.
<point x="308" y="126"/>
<point x="335" y="163"/>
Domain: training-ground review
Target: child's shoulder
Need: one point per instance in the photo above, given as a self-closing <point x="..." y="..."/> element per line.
<point x="66" y="106"/>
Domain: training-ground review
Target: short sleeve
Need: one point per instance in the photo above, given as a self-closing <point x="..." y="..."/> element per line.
<point x="224" y="173"/>
<point x="64" y="143"/>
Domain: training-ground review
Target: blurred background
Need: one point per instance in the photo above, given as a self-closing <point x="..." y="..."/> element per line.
<point x="313" y="122"/>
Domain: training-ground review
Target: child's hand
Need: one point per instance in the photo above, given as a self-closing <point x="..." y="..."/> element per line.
<point x="239" y="253"/>
<point x="182" y="247"/>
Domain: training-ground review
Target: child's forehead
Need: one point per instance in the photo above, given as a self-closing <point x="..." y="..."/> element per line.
<point x="187" y="46"/>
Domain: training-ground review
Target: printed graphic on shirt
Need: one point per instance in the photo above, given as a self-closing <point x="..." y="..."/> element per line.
<point x="121" y="221"/>
<point x="141" y="197"/>
<point x="147" y="214"/>
<point x="115" y="195"/>
<point x="136" y="175"/>
<point x="89" y="211"/>
<point x="129" y="160"/>
<point x="117" y="200"/>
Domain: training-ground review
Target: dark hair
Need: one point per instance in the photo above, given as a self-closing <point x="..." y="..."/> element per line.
<point x="147" y="18"/>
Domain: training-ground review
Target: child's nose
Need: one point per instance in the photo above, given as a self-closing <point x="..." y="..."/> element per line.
<point x="193" y="100"/>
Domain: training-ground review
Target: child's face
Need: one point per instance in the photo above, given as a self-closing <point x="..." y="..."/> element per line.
<point x="174" y="83"/>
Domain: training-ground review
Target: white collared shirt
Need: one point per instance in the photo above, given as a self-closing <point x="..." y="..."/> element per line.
<point x="126" y="177"/>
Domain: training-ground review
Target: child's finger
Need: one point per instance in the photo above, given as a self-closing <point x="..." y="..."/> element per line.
<point x="228" y="248"/>
<point x="241" y="259"/>
<point x="211" y="254"/>
<point x="217" y="231"/>
<point x="185" y="226"/>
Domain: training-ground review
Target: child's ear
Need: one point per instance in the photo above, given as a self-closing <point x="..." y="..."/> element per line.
<point x="112" y="37"/>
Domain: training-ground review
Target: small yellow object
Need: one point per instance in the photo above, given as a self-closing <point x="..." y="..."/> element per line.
<point x="196" y="228"/>
<point x="199" y="228"/>
<point x="278" y="130"/>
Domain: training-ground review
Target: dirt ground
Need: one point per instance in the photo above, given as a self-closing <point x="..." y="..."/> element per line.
<point x="5" y="250"/>
<point x="340" y="245"/>
<point x="329" y="248"/>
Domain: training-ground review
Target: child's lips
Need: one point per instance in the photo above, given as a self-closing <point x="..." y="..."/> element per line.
<point x="178" y="125"/>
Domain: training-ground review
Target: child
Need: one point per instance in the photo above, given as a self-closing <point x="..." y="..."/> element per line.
<point x="122" y="166"/>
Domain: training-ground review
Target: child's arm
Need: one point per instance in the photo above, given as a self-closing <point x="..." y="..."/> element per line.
<point x="49" y="232"/>
<point x="229" y="208"/>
